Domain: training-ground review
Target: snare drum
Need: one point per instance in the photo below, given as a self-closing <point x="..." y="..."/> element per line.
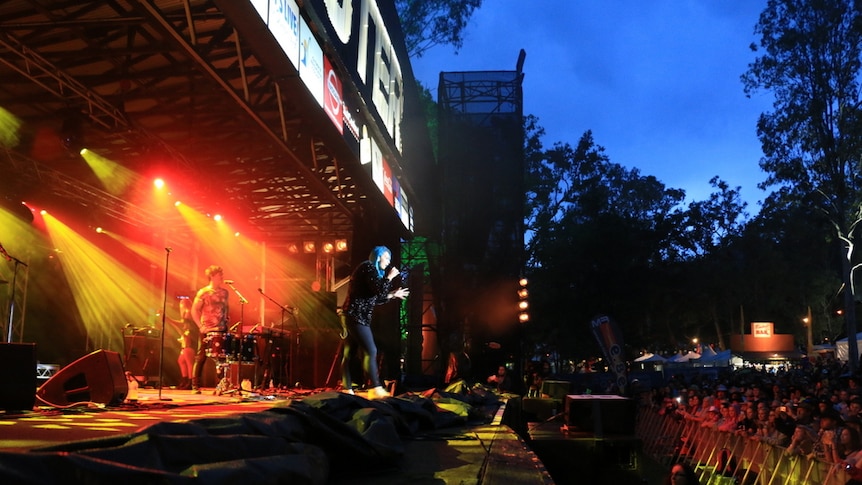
<point x="218" y="345"/>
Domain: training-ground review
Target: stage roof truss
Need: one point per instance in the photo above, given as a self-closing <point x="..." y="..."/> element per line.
<point x="170" y="80"/>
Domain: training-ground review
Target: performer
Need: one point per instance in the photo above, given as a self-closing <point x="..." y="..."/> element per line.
<point x="210" y="313"/>
<point x="189" y="341"/>
<point x="370" y="285"/>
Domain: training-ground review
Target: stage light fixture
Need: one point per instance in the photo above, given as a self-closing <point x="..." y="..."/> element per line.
<point x="72" y="131"/>
<point x="341" y="245"/>
<point x="523" y="303"/>
<point x="293" y="248"/>
<point x="328" y="247"/>
<point x="217" y="217"/>
<point x="159" y="183"/>
<point x="309" y="247"/>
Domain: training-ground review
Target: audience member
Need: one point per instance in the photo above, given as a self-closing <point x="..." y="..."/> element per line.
<point x="682" y="474"/>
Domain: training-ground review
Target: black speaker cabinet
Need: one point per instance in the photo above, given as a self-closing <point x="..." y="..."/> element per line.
<point x="601" y="414"/>
<point x="96" y="377"/>
<point x="18" y="362"/>
<point x="556" y="389"/>
<point x="141" y="346"/>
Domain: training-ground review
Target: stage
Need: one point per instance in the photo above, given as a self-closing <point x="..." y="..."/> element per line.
<point x="296" y="436"/>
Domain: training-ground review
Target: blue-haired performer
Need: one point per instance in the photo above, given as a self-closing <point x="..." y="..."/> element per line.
<point x="370" y="285"/>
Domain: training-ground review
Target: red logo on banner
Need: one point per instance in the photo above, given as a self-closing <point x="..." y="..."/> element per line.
<point x="332" y="99"/>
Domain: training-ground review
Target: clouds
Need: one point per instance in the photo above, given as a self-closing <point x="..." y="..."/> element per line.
<point x="656" y="82"/>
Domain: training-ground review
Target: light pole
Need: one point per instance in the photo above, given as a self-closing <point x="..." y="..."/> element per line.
<point x="808" y="322"/>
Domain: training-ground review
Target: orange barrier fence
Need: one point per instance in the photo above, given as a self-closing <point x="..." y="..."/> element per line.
<point x="720" y="457"/>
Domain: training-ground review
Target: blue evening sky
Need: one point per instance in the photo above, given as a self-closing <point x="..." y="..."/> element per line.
<point x="657" y="82"/>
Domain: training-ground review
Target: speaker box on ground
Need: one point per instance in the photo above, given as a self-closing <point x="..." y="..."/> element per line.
<point x="601" y="414"/>
<point x="540" y="409"/>
<point x="18" y="362"/>
<point x="96" y="377"/>
<point x="556" y="389"/>
<point x="581" y="458"/>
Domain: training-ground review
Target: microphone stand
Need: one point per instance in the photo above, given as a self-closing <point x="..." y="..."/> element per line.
<point x="284" y="309"/>
<point x="164" y="315"/>
<point x="18" y="263"/>
<point x="242" y="302"/>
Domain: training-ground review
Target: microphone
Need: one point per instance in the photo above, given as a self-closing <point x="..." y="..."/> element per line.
<point x="260" y="290"/>
<point x="228" y="282"/>
<point x="169" y="249"/>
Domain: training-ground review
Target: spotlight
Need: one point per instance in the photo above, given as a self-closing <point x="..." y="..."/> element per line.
<point x="341" y="245"/>
<point x="159" y="183"/>
<point x="292" y="248"/>
<point x="217" y="217"/>
<point x="309" y="247"/>
<point x="72" y="131"/>
<point x="328" y="247"/>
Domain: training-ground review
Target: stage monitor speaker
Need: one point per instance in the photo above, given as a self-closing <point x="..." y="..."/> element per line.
<point x="96" y="377"/>
<point x="18" y="362"/>
<point x="601" y="414"/>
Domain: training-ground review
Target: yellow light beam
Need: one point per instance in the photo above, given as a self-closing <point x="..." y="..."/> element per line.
<point x="107" y="294"/>
<point x="9" y="129"/>
<point x="114" y="177"/>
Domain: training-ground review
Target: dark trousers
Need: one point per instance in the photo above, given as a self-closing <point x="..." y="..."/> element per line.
<point x="200" y="361"/>
<point x="359" y="337"/>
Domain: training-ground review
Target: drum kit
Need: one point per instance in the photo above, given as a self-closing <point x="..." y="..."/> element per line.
<point x="261" y="346"/>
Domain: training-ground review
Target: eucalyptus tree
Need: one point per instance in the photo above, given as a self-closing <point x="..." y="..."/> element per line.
<point x="809" y="59"/>
<point x="427" y="23"/>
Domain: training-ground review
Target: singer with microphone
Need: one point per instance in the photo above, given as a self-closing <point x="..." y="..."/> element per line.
<point x="210" y="313"/>
<point x="370" y="285"/>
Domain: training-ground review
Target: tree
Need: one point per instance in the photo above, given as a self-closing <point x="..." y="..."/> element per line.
<point x="708" y="231"/>
<point x="427" y="23"/>
<point x="810" y="61"/>
<point x="598" y="236"/>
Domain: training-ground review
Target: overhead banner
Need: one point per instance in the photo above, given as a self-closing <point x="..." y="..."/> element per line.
<point x="610" y="339"/>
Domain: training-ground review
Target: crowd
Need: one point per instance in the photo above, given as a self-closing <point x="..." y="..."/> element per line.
<point x="807" y="409"/>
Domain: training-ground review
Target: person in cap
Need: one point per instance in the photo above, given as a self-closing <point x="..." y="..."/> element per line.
<point x="713" y="418"/>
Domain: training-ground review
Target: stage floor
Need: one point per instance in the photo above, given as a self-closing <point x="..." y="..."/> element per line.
<point x="488" y="453"/>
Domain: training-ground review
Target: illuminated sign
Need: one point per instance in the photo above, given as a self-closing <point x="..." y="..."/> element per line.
<point x="367" y="49"/>
<point x="310" y="62"/>
<point x="761" y="329"/>
<point x="282" y="18"/>
<point x="376" y="50"/>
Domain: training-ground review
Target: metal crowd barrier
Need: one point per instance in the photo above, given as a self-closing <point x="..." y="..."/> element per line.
<point x="724" y="458"/>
